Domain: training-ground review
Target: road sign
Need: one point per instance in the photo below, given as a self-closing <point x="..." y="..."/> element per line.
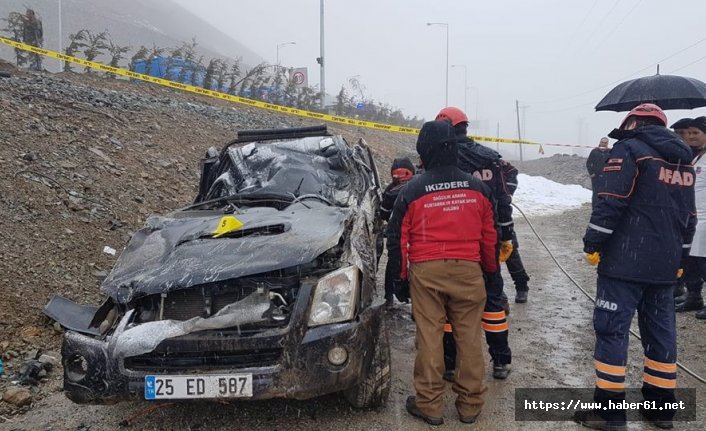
<point x="299" y="77"/>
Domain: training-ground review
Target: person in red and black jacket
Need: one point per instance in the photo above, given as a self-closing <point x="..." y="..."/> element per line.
<point x="402" y="171"/>
<point x="442" y="237"/>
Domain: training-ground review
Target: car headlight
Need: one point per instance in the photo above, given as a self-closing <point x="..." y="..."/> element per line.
<point x="335" y="297"/>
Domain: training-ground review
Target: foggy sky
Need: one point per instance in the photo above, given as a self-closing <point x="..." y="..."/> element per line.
<point x="557" y="57"/>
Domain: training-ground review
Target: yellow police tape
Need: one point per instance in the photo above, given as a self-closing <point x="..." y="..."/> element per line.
<point x="237" y="99"/>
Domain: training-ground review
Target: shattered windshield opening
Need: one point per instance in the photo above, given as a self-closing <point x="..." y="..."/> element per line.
<point x="289" y="170"/>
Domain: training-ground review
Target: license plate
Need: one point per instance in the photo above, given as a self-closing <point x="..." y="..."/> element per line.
<point x="209" y="386"/>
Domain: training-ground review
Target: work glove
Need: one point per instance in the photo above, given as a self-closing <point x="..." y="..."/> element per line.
<point x="401" y="290"/>
<point x="593" y="258"/>
<point x="680" y="272"/>
<point x="505" y="250"/>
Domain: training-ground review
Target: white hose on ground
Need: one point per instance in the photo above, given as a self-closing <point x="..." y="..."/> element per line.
<point x="679" y="364"/>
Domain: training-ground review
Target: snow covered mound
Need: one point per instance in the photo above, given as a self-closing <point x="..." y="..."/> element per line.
<point x="538" y="196"/>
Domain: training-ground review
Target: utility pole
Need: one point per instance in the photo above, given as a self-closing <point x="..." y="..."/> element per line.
<point x="517" y="110"/>
<point x="61" y="40"/>
<point x="321" y="58"/>
<point x="519" y="132"/>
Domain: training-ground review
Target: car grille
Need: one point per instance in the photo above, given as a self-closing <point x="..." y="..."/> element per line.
<point x="188" y="361"/>
<point x="188" y="303"/>
<point x="207" y="299"/>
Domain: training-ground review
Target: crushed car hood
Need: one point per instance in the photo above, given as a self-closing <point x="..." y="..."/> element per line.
<point x="178" y="251"/>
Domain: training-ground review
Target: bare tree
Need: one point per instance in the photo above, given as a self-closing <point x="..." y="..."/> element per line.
<point x="95" y="46"/>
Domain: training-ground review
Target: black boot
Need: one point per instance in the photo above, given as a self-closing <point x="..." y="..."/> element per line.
<point x="521" y="296"/>
<point x="693" y="302"/>
<point x="701" y="314"/>
<point x="501" y="371"/>
<point x="592" y="419"/>
<point x="653" y="417"/>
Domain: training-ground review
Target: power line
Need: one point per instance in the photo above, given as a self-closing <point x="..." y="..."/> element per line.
<point x="684" y="67"/>
<point x="617" y="26"/>
<point x="621" y="79"/>
<point x="578" y="28"/>
<point x="600" y="23"/>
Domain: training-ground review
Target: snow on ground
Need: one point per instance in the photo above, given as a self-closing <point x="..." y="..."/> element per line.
<point x="538" y="196"/>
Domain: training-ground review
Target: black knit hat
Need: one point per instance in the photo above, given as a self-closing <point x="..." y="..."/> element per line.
<point x="436" y="144"/>
<point x="684" y="123"/>
<point x="402" y="163"/>
<point x="699" y="123"/>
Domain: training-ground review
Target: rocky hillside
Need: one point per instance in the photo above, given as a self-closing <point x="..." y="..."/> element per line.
<point x="561" y="168"/>
<point x="83" y="161"/>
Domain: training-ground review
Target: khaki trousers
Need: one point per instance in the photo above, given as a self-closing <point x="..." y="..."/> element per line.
<point x="454" y="290"/>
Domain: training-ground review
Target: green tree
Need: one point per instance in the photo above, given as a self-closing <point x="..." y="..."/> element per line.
<point x="95" y="46"/>
<point x="197" y="69"/>
<point x="251" y="75"/>
<point x="140" y="55"/>
<point x="341" y="101"/>
<point x="188" y="51"/>
<point x="116" y="54"/>
<point x="222" y="75"/>
<point x="152" y="56"/>
<point x="211" y="71"/>
<point x="77" y="41"/>
<point x="15" y="26"/>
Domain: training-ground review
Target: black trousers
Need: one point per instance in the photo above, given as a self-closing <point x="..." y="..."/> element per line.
<point x="694" y="274"/>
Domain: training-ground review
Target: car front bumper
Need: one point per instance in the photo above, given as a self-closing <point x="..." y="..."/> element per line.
<point x="291" y="362"/>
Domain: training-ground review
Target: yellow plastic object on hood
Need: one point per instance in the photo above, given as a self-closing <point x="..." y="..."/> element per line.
<point x="227" y="225"/>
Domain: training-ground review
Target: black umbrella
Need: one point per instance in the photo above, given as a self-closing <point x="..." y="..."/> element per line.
<point x="666" y="91"/>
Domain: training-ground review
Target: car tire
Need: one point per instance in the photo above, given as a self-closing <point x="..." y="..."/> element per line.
<point x="374" y="390"/>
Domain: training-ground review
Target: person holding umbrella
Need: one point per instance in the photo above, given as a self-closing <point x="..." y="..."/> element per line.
<point x="695" y="263"/>
<point x="639" y="231"/>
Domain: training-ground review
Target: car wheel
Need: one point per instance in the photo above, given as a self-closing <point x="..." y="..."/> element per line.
<point x="375" y="389"/>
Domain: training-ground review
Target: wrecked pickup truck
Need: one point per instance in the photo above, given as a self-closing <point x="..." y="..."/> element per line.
<point x="262" y="288"/>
